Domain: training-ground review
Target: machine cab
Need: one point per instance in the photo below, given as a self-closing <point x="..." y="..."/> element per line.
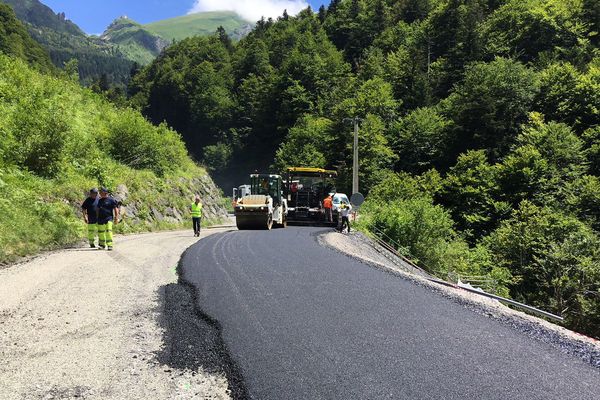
<point x="267" y="185"/>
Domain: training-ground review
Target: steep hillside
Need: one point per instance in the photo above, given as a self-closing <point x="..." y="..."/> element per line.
<point x="134" y="41"/>
<point x="58" y="140"/>
<point x="42" y="16"/>
<point x="203" y="24"/>
<point x="15" y="41"/>
<point x="65" y="41"/>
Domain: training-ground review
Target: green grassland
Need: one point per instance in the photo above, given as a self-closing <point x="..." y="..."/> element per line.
<point x="134" y="41"/>
<point x="203" y="24"/>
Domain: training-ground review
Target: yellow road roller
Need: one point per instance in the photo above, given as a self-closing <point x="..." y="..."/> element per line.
<point x="265" y="206"/>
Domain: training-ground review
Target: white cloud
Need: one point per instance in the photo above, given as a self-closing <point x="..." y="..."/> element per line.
<point x="251" y="10"/>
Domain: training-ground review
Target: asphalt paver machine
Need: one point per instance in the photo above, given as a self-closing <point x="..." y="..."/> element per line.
<point x="305" y="190"/>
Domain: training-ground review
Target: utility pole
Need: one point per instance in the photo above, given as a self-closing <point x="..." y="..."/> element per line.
<point x="355" y="164"/>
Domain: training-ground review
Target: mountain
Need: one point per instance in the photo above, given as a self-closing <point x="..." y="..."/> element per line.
<point x="134" y="41"/>
<point x="16" y="42"/>
<point x="65" y="41"/>
<point x="143" y="43"/>
<point x="202" y="24"/>
<point x="124" y="42"/>
<point x="42" y="16"/>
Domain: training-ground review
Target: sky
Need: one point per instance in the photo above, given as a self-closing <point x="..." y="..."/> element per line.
<point x="93" y="16"/>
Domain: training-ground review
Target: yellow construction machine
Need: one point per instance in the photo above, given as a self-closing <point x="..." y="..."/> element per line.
<point x="305" y="190"/>
<point x="265" y="206"/>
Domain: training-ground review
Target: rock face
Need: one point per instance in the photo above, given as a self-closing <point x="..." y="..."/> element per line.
<point x="169" y="204"/>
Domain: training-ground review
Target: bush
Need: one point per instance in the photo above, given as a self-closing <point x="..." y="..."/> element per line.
<point x="424" y="231"/>
<point x="134" y="142"/>
<point x="555" y="260"/>
<point x="57" y="141"/>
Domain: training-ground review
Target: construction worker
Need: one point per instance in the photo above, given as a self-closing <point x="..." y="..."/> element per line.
<point x="345" y="212"/>
<point x="90" y="215"/>
<point x="108" y="215"/>
<point x="328" y="206"/>
<point x="196" y="209"/>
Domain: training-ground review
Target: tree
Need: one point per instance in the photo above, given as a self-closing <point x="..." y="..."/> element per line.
<point x="376" y="157"/>
<point x="591" y="138"/>
<point x="225" y="39"/>
<point x="375" y="97"/>
<point x="322" y="13"/>
<point x="420" y="140"/>
<point x="305" y="144"/>
<point x="490" y="105"/>
<point x="569" y="96"/>
<point x="525" y="29"/>
<point x="555" y="260"/>
<point x="470" y="192"/>
<point x="545" y="159"/>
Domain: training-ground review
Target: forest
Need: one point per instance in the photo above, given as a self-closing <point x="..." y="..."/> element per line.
<point x="479" y="135"/>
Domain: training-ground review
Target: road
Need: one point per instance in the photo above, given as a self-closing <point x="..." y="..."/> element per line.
<point x="301" y="321"/>
<point x="83" y="323"/>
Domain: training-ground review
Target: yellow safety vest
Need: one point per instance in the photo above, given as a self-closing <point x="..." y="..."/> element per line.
<point x="196" y="210"/>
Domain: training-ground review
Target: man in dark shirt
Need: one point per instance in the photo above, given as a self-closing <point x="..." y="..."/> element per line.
<point x="90" y="215"/>
<point x="108" y="214"/>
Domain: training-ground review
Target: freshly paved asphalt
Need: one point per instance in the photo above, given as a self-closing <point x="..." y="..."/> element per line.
<point x="304" y="322"/>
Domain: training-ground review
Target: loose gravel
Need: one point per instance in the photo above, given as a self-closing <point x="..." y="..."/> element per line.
<point x="89" y="324"/>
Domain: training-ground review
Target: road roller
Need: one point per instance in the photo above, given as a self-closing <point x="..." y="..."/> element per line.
<point x="265" y="206"/>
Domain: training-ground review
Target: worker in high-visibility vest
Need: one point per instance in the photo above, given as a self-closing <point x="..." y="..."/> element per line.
<point x="196" y="209"/>
<point x="328" y="206"/>
<point x="344" y="213"/>
<point x="90" y="216"/>
<point x="108" y="215"/>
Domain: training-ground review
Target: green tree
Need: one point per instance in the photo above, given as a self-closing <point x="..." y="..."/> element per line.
<point x="547" y="157"/>
<point x="555" y="260"/>
<point x="591" y="139"/>
<point x="526" y="29"/>
<point x="490" y="105"/>
<point x="420" y="139"/>
<point x="305" y="145"/>
<point x="471" y="192"/>
<point x="569" y="96"/>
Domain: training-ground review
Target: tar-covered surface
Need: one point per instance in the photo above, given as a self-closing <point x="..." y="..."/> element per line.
<point x="302" y="321"/>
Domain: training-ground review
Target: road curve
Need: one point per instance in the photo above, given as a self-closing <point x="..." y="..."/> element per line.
<point x="304" y="322"/>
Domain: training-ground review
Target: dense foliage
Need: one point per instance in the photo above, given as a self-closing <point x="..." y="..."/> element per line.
<point x="480" y="145"/>
<point x="57" y="140"/>
<point x="15" y="41"/>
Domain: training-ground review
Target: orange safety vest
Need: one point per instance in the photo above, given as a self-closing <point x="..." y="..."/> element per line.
<point x="327" y="203"/>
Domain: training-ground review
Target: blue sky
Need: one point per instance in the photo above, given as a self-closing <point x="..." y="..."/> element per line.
<point x="93" y="16"/>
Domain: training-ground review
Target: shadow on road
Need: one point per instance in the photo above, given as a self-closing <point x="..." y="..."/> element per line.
<point x="192" y="340"/>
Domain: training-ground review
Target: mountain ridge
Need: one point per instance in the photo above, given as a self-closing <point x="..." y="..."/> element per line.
<point x="123" y="43"/>
<point x="142" y="43"/>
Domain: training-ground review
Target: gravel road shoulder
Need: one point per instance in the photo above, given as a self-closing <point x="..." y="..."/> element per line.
<point x="83" y="323"/>
<point x="359" y="247"/>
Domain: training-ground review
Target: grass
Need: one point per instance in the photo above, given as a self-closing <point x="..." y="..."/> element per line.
<point x="57" y="140"/>
<point x="204" y="23"/>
